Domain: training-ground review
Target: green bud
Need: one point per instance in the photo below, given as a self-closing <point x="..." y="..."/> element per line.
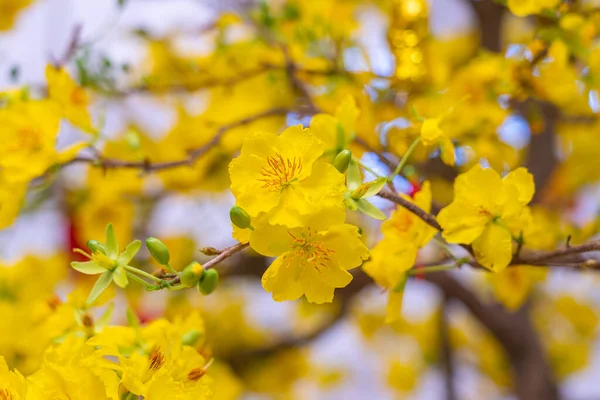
<point x="360" y="231"/>
<point x="342" y="160"/>
<point x="190" y="338"/>
<point x="208" y="282"/>
<point x="239" y="217"/>
<point x="159" y="251"/>
<point x="191" y="274"/>
<point x="96" y="247"/>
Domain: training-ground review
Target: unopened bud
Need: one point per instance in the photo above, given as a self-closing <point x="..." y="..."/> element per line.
<point x="191" y="274"/>
<point x="239" y="217"/>
<point x="342" y="160"/>
<point x="210" y="251"/>
<point x="190" y="338"/>
<point x="159" y="250"/>
<point x="96" y="247"/>
<point x="208" y="282"/>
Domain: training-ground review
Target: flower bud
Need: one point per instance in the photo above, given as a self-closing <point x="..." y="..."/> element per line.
<point x="239" y="217"/>
<point x="191" y="274"/>
<point x="342" y="160"/>
<point x="208" y="282"/>
<point x="96" y="247"/>
<point x="191" y="337"/>
<point x="159" y="251"/>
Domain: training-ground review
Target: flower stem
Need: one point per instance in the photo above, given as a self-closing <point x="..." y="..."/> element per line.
<point x="171" y="269"/>
<point x="433" y="268"/>
<point x="356" y="160"/>
<point x="142" y="273"/>
<point x="138" y="279"/>
<point x="405" y="158"/>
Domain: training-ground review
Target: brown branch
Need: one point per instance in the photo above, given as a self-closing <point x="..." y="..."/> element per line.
<point x="558" y="254"/>
<point x="533" y="378"/>
<point x="148" y="166"/>
<point x="446" y="358"/>
<point x="413" y="208"/>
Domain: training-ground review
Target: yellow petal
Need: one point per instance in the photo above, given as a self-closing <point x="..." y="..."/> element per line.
<point x="282" y="279"/>
<point x="461" y="222"/>
<point x="393" y="310"/>
<point x="431" y="132"/>
<point x="522" y="180"/>
<point x="344" y="240"/>
<point x="447" y="148"/>
<point x="493" y="249"/>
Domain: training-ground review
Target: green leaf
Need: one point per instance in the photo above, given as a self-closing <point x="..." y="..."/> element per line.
<point x="130" y="251"/>
<point x="88" y="267"/>
<point x="120" y="277"/>
<point x="112" y="248"/>
<point x="369" y="209"/>
<point x="101" y="284"/>
<point x="353" y="177"/>
<point x="369" y="189"/>
<point x="121" y="3"/>
<point x="375" y="187"/>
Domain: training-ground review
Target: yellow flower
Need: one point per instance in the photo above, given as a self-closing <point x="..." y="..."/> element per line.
<point x="11" y="198"/>
<point x="28" y="137"/>
<point x="279" y="175"/>
<point x="523" y="8"/>
<point x="9" y="10"/>
<point x="404" y="234"/>
<point x="433" y="135"/>
<point x="153" y="358"/>
<point x="336" y="131"/>
<point x="487" y="211"/>
<point x="403" y="376"/>
<point x="309" y="261"/>
<point x="512" y="286"/>
<point x="55" y="379"/>
<point x="12" y="384"/>
<point x="72" y="99"/>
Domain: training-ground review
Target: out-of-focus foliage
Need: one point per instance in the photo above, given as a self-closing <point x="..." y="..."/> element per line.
<point x="487" y="159"/>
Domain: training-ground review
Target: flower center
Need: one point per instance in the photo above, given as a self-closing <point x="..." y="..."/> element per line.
<point x="78" y="97"/>
<point x="5" y="395"/>
<point x="280" y="172"/>
<point x="157" y="360"/>
<point x="310" y="251"/>
<point x="27" y="138"/>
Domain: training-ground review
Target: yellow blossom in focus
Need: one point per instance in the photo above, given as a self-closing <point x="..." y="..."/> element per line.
<point x="280" y="176"/>
<point x="487" y="211"/>
<point x="310" y="262"/>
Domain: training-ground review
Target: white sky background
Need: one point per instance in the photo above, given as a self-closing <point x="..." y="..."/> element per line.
<point x="43" y="32"/>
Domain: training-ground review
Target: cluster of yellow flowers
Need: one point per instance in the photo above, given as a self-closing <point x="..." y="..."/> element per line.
<point x="303" y="194"/>
<point x="29" y="136"/>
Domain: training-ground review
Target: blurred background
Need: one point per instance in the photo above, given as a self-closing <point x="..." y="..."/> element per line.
<point x="277" y="350"/>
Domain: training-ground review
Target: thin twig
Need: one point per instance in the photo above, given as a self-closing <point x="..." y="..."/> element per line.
<point x="148" y="166"/>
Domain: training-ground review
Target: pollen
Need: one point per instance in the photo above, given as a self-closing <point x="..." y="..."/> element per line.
<point x="5" y="395"/>
<point x="310" y="250"/>
<point x="280" y="172"/>
<point x="157" y="360"/>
